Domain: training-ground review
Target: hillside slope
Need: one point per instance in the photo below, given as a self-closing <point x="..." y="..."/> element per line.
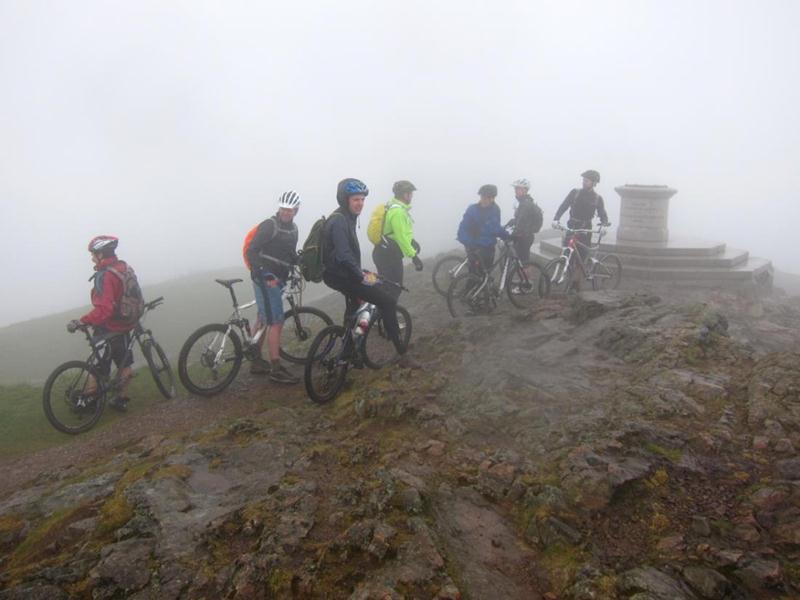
<point x="32" y="349"/>
<point x="623" y="445"/>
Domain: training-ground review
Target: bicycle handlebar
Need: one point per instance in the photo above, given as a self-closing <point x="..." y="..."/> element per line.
<point x="389" y="281"/>
<point x="600" y="229"/>
<point x="153" y="304"/>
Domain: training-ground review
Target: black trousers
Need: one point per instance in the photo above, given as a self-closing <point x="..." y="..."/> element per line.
<point x="484" y="256"/>
<point x="115" y="349"/>
<point x="374" y="294"/>
<point x="388" y="259"/>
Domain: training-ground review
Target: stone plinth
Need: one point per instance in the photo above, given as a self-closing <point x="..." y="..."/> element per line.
<point x="644" y="213"/>
<point x="643" y="246"/>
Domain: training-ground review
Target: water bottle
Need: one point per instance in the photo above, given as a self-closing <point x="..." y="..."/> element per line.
<point x="362" y="319"/>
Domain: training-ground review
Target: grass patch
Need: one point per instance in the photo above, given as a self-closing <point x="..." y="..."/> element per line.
<point x="117" y="511"/>
<point x="671" y="454"/>
<point x="25" y="429"/>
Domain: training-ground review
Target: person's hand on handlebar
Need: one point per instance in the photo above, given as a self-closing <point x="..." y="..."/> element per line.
<point x="557" y="225"/>
<point x="74" y="325"/>
<point x="417" y="263"/>
<point x="370" y="278"/>
<point x="605" y="224"/>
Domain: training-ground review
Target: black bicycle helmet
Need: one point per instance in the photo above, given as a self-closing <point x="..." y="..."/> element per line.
<point x="403" y="187"/>
<point x="488" y="190"/>
<point x="591" y="175"/>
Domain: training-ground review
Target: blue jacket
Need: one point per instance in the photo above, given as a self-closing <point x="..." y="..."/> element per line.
<point x="481" y="226"/>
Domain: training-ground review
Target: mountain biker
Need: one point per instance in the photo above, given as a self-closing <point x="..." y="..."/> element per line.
<point x="272" y="251"/>
<point x="341" y="254"/>
<point x="583" y="204"/>
<point x="527" y="221"/>
<point x="480" y="227"/>
<point x="397" y="240"/>
<point x="103" y="318"/>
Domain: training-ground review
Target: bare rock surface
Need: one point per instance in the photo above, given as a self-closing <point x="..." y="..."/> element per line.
<point x="617" y="445"/>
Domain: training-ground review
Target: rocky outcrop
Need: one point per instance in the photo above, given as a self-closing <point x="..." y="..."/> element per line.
<point x="620" y="446"/>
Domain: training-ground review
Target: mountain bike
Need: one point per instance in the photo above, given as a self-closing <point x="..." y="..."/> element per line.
<point x="474" y="292"/>
<point x="603" y="270"/>
<point x="75" y="394"/>
<point x="212" y="356"/>
<point x="362" y="341"/>
<point x="447" y="269"/>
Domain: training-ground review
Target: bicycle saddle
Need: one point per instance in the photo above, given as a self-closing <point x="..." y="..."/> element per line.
<point x="228" y="283"/>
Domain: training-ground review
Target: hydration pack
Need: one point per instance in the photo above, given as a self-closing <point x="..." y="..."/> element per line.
<point x="130" y="306"/>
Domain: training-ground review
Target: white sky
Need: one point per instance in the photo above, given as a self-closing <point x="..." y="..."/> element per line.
<point x="175" y="125"/>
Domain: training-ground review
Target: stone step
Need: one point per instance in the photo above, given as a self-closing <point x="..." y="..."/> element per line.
<point x="729" y="259"/>
<point x="739" y="270"/>
<point x="682" y="248"/>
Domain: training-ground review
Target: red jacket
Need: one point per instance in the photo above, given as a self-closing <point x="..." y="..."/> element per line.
<point x="106" y="294"/>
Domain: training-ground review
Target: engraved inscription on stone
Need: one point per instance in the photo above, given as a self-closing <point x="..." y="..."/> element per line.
<point x="644" y="212"/>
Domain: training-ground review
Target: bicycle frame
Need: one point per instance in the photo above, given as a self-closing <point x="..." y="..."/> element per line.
<point x="507" y="256"/>
<point x="106" y="382"/>
<point x="293" y="293"/>
<point x="570" y="250"/>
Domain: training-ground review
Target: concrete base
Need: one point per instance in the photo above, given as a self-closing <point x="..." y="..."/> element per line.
<point x="697" y="263"/>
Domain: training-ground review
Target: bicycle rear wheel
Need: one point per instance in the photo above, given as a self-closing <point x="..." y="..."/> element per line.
<point x="326" y="365"/>
<point x="67" y="405"/>
<point x="445" y="271"/>
<point x="556" y="278"/>
<point x="210" y="359"/>
<point x="523" y="289"/>
<point x="378" y="348"/>
<point x="607" y="273"/>
<point x="159" y="365"/>
<point x="464" y="296"/>
<point x="300" y="327"/>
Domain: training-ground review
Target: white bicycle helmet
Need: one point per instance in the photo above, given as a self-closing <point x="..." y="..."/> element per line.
<point x="522" y="182"/>
<point x="290" y="199"/>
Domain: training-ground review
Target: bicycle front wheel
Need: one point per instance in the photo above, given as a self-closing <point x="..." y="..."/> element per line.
<point x="160" y="368"/>
<point x="445" y="271"/>
<point x="326" y="364"/>
<point x="210" y="359"/>
<point x="300" y="327"/>
<point x="556" y="278"/>
<point x="73" y="397"/>
<point x="465" y="296"/>
<point x="522" y="285"/>
<point x="607" y="273"/>
<point x="378" y="348"/>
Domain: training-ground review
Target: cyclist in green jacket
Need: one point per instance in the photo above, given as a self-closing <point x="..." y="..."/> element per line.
<point x="397" y="241"/>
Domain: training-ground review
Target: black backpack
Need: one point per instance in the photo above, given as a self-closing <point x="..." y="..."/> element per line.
<point x="311" y="265"/>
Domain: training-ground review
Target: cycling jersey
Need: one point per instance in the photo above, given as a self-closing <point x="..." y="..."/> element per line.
<point x="398" y="227"/>
<point x="105" y="296"/>
<point x="273" y="239"/>
<point x="582" y="205"/>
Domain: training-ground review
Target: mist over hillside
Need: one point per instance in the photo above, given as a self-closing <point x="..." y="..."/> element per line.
<point x="30" y="350"/>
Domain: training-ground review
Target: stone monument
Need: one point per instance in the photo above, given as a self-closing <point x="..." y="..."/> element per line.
<point x="648" y="252"/>
<point x="644" y="213"/>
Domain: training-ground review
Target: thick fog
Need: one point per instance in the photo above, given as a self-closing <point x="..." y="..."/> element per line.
<point x="175" y="125"/>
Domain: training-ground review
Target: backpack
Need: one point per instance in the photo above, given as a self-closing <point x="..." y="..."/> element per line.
<point x="130" y="307"/>
<point x="311" y="266"/>
<point x="249" y="238"/>
<point x="377" y="221"/>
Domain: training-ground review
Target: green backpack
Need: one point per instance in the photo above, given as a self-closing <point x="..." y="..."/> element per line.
<point x="311" y="266"/>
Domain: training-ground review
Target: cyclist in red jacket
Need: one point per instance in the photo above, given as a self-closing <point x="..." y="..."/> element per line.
<point x="106" y="295"/>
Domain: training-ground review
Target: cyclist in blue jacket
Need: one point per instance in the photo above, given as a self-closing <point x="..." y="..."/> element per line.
<point x="480" y="227"/>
